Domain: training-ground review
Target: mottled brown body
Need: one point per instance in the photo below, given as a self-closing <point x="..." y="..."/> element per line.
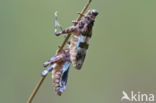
<point x="56" y="76"/>
<point x="81" y="34"/>
<point x="60" y="70"/>
<point x="73" y="53"/>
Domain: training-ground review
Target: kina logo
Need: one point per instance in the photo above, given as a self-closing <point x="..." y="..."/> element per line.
<point x="138" y="97"/>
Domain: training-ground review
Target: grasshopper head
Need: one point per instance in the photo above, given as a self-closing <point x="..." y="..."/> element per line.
<point x="93" y="12"/>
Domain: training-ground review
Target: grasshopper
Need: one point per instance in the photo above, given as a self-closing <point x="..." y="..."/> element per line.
<point x="81" y="34"/>
<point x="59" y="65"/>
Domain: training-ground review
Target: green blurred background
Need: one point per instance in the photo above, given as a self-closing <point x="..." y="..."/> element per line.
<point x="121" y="56"/>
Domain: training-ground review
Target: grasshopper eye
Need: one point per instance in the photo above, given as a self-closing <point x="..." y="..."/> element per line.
<point x="95" y="12"/>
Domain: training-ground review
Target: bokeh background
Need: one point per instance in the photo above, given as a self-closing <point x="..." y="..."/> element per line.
<point x="121" y="56"/>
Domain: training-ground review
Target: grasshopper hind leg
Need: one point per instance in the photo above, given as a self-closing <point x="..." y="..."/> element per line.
<point x="63" y="82"/>
<point x="57" y="24"/>
<point x="65" y="31"/>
